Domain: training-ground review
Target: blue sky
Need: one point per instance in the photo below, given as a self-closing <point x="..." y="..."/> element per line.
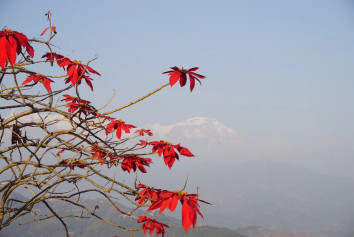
<point x="281" y="69"/>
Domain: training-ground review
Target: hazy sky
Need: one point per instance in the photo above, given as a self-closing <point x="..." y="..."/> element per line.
<point x="278" y="70"/>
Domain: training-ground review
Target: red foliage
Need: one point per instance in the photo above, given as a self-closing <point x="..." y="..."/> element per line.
<point x="131" y="162"/>
<point x="151" y="225"/>
<point x="147" y="193"/>
<point x="99" y="153"/>
<point x="180" y="74"/>
<point x="77" y="71"/>
<point x="39" y="78"/>
<point x="60" y="59"/>
<point x="190" y="206"/>
<point x="11" y="43"/>
<point x="143" y="131"/>
<point x="83" y="106"/>
<point x="53" y="29"/>
<point x="168" y="151"/>
<point x="118" y="125"/>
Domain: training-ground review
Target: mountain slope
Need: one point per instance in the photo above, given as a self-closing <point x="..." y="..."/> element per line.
<point x="93" y="227"/>
<point x="277" y="195"/>
<point x="246" y="190"/>
<point x="257" y="231"/>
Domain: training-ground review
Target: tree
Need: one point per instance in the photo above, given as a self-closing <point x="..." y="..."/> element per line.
<point x="60" y="140"/>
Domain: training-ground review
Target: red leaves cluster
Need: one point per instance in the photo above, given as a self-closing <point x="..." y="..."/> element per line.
<point x="143" y="131"/>
<point x="151" y="225"/>
<point x="168" y="151"/>
<point x="180" y="74"/>
<point x="163" y="199"/>
<point x="83" y="106"/>
<point x="39" y="78"/>
<point x="190" y="206"/>
<point x="118" y="125"/>
<point x="76" y="71"/>
<point x="11" y="43"/>
<point x="147" y="193"/>
<point x="99" y="153"/>
<point x="128" y="162"/>
<point x="131" y="162"/>
<point x="60" y="59"/>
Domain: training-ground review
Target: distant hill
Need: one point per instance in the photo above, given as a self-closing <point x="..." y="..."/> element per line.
<point x="92" y="227"/>
<point x="257" y="231"/>
<point x="280" y="196"/>
<point x="246" y="190"/>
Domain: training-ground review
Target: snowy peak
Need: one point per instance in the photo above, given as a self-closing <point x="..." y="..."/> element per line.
<point x="197" y="128"/>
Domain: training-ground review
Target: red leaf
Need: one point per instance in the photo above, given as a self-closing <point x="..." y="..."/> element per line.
<point x="28" y="80"/>
<point x="3" y="52"/>
<point x="142" y="219"/>
<point x="173" y="203"/>
<point x="151" y="225"/>
<point x="23" y="40"/>
<point x="188" y="216"/>
<point x="50" y="56"/>
<point x="183" y="79"/>
<point x="93" y="71"/>
<point x="174" y="77"/>
<point x="46" y="82"/>
<point x="11" y="47"/>
<point x="62" y="61"/>
<point x="109" y="128"/>
<point x="52" y="29"/>
<point x="119" y="125"/>
<point x="192" y="82"/>
<point x="184" y="151"/>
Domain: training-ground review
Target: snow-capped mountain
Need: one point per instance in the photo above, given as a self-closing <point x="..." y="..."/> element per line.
<point x="206" y="137"/>
<point x="197" y="128"/>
